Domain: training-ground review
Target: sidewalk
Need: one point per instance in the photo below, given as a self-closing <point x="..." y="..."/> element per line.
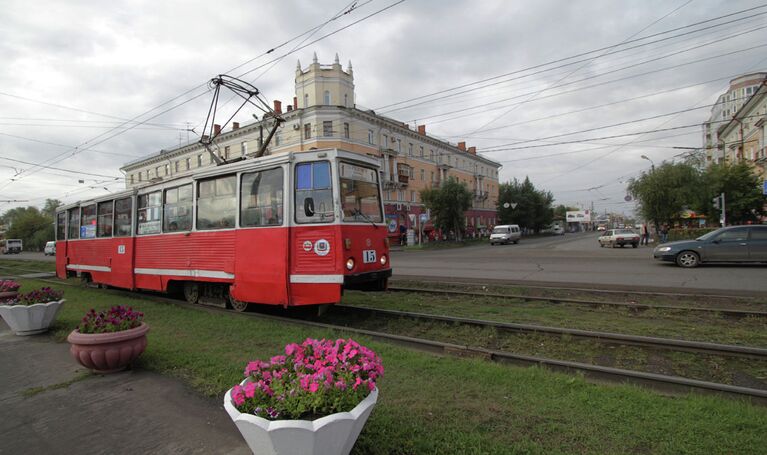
<point x="124" y="413"/>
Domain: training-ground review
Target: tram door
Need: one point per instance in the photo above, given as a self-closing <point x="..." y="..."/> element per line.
<point x="261" y="272"/>
<point x="61" y="245"/>
<point x="315" y="249"/>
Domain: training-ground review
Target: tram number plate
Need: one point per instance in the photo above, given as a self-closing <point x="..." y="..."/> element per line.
<point x="368" y="256"/>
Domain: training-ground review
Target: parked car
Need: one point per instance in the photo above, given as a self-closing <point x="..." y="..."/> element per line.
<point x="11" y="246"/>
<point x="602" y="227"/>
<point x="50" y="249"/>
<point x="728" y="244"/>
<point x="505" y="233"/>
<point x="621" y="237"/>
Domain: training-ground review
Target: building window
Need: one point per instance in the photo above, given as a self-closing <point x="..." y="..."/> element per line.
<point x="422" y="175"/>
<point x="139" y="176"/>
<point x="306" y="100"/>
<point x="243" y="148"/>
<point x="326" y="98"/>
<point x="385" y="141"/>
<point x="399" y="145"/>
<point x="401" y="196"/>
<point x="157" y="170"/>
<point x="421" y="147"/>
<point x="175" y="168"/>
<point x="370" y="137"/>
<point x="346" y="99"/>
<point x="131" y="179"/>
<point x="188" y="163"/>
<point x="346" y="130"/>
<point x="410" y="149"/>
<point x="327" y="128"/>
<point x="277" y="139"/>
<point x="307" y="130"/>
<point x="431" y="152"/>
<point x="199" y="160"/>
<point x="412" y="196"/>
<point x="167" y="169"/>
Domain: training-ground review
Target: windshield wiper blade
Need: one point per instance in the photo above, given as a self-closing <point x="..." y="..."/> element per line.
<point x="370" y="220"/>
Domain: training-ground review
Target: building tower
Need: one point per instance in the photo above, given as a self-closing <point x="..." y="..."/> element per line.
<point x="324" y="85"/>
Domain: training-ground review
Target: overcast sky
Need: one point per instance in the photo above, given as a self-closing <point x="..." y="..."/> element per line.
<point x="74" y="71"/>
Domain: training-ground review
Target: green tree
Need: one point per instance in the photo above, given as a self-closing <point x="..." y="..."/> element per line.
<point x="30" y="225"/>
<point x="49" y="209"/>
<point x="742" y="190"/>
<point x="521" y="203"/>
<point x="448" y="203"/>
<point x="665" y="191"/>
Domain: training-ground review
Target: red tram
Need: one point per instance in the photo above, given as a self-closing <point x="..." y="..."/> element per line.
<point x="293" y="229"/>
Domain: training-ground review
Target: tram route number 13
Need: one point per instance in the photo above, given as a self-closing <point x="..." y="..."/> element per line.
<point x="368" y="256"/>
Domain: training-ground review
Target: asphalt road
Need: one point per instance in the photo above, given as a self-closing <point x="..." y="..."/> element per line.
<point x="577" y="260"/>
<point x="572" y="260"/>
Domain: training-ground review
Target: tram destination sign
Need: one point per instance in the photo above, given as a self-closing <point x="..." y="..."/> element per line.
<point x="354" y="172"/>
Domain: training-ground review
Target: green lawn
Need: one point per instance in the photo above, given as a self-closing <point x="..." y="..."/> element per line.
<point x="443" y="405"/>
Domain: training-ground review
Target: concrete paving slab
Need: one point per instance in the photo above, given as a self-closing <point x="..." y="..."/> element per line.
<point x="124" y="413"/>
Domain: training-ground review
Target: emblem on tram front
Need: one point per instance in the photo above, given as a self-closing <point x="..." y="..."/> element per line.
<point x="308" y="246"/>
<point x="322" y="247"/>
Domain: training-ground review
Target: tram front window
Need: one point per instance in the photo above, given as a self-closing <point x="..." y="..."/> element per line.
<point x="314" y="193"/>
<point x="360" y="198"/>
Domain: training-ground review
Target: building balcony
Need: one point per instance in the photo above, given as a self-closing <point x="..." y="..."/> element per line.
<point x="481" y="196"/>
<point x="388" y="151"/>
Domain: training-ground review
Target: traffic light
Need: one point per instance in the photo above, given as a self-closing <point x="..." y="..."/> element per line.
<point x="717" y="203"/>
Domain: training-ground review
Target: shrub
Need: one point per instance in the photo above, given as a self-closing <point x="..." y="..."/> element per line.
<point x="687" y="234"/>
<point x="9" y="286"/>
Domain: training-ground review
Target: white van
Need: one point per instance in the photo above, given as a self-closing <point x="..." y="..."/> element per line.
<point x="50" y="249"/>
<point x="505" y="233"/>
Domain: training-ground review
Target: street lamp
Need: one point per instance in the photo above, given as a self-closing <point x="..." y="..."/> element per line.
<point x="652" y="163"/>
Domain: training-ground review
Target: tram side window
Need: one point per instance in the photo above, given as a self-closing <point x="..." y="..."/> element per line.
<point x="314" y="194"/>
<point x="178" y="209"/>
<point x="261" y="198"/>
<point x="74" y="223"/>
<point x="149" y="211"/>
<point x="217" y="203"/>
<point x="61" y="226"/>
<point x="104" y="226"/>
<point x="123" y="221"/>
<point x="88" y="222"/>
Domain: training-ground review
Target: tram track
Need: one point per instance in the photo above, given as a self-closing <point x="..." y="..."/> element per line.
<point x="599" y="373"/>
<point x="592" y="303"/>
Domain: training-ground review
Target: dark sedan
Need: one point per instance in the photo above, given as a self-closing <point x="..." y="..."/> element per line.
<point x="728" y="244"/>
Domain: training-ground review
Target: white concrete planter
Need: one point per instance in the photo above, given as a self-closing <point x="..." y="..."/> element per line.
<point x="329" y="435"/>
<point x="30" y="319"/>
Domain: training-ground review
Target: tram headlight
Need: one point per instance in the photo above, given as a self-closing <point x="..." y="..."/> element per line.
<point x="383" y="259"/>
<point x="349" y="263"/>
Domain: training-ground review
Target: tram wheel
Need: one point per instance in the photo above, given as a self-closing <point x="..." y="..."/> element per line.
<point x="192" y="292"/>
<point x="238" y="305"/>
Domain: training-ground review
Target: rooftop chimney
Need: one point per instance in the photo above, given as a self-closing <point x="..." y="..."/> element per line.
<point x="216" y="129"/>
<point x="462" y="146"/>
<point x="278" y="107"/>
<point x="290" y="107"/>
<point x="235" y="125"/>
<point x="204" y="138"/>
<point x="473" y="150"/>
<point x="295" y="102"/>
<point x="422" y="130"/>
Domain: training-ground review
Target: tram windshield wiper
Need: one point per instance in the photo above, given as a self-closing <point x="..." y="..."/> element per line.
<point x="356" y="212"/>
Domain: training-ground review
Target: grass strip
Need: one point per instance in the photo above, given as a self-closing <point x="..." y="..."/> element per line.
<point x="437" y="405"/>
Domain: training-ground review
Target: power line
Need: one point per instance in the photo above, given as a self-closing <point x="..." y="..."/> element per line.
<point x="60" y="169"/>
<point x="584" y="54"/>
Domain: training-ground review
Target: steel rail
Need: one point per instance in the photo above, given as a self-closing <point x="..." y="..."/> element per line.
<point x="631" y="306"/>
<point x="727" y="350"/>
<point x="658" y="382"/>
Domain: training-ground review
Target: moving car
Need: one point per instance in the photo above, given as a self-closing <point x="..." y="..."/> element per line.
<point x="50" y="249"/>
<point x="602" y="227"/>
<point x="728" y="244"/>
<point x="612" y="237"/>
<point x="505" y="233"/>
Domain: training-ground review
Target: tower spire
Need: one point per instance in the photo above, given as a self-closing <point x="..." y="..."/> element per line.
<point x="314" y="60"/>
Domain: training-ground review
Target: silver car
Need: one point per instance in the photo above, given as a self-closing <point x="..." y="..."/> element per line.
<point x="728" y="244"/>
<point x="620" y="237"/>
